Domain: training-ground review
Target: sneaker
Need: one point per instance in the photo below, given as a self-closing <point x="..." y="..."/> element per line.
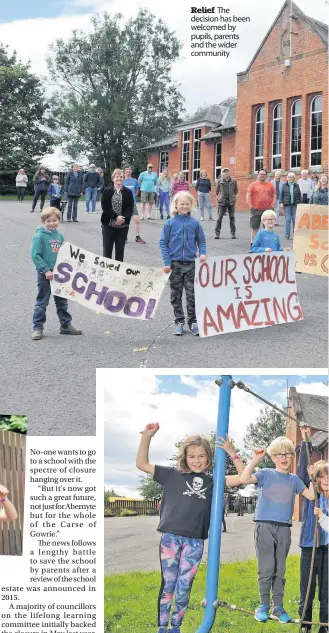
<point x="179" y="329"/>
<point x="32" y="211"/>
<point x="193" y="328"/>
<point x="287" y="237"/>
<point x="162" y="629"/>
<point x="217" y="237"/>
<point x="139" y="240"/>
<point x="37" y="335"/>
<point x="86" y="211"/>
<point x="280" y="614"/>
<point x="233" y="237"/>
<point x="68" y="328"/>
<point x="201" y="219"/>
<point x="261" y="613"/>
<point x="175" y="629"/>
<point x="305" y="629"/>
<point x="211" y="218"/>
<point x="168" y="217"/>
<point x="75" y="220"/>
<point x="68" y="220"/>
<point x="161" y="217"/>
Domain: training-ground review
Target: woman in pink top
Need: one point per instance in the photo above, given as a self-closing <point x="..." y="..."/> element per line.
<point x="180" y="184"/>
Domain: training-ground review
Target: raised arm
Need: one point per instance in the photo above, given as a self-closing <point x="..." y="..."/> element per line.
<point x="247" y="477"/>
<point x="8" y="511"/>
<point x="231" y="480"/>
<point x="142" y="458"/>
<point x="308" y="493"/>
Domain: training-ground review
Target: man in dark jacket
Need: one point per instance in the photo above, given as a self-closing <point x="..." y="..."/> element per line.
<point x="226" y="191"/>
<point x="41" y="184"/>
<point x="92" y="181"/>
<point x="289" y="198"/>
<point x="73" y="189"/>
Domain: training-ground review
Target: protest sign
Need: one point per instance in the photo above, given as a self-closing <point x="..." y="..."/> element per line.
<point x="311" y="239"/>
<point x="243" y="292"/>
<point x="107" y="286"/>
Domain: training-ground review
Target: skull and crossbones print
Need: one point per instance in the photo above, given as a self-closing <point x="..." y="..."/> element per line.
<point x="196" y="488"/>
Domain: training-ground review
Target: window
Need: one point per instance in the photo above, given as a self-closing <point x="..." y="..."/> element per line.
<point x="186" y="153"/>
<point x="218" y="159"/>
<point x="277" y="137"/>
<point x="296" y="134"/>
<point x="163" y="160"/>
<point x="259" y="139"/>
<point x="196" y="154"/>
<point x="316" y="131"/>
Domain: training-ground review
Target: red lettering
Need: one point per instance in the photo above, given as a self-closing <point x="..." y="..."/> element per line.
<point x="280" y="310"/>
<point x="214" y="268"/>
<point x="255" y="311"/>
<point x="237" y="288"/>
<point x="269" y="320"/>
<point x="208" y="321"/>
<point x="324" y="264"/>
<point x="242" y="314"/>
<point x="246" y="262"/>
<point x="229" y="271"/>
<point x="203" y="266"/>
<point x="296" y="307"/>
<point x="310" y="260"/>
<point x="229" y="314"/>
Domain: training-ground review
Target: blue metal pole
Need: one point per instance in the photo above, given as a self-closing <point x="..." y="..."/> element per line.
<point x="217" y="505"/>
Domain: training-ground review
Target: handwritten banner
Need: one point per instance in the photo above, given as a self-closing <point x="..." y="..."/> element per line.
<point x="107" y="286"/>
<point x="245" y="292"/>
<point x="311" y="239"/>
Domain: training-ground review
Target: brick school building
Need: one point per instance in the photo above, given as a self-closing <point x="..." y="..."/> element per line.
<point x="279" y="119"/>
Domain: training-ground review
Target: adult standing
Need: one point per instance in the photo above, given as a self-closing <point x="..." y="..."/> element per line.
<point x="21" y="184"/>
<point x="163" y="187"/>
<point x="180" y="184"/>
<point x="42" y="182"/>
<point x="118" y="205"/>
<point x="147" y="181"/>
<point x="278" y="184"/>
<point x="100" y="187"/>
<point x="73" y="189"/>
<point x="203" y="187"/>
<point x="314" y="180"/>
<point x="132" y="184"/>
<point x="260" y="197"/>
<point x="305" y="185"/>
<point x="320" y="193"/>
<point x="226" y="192"/>
<point x="290" y="197"/>
<point x="91" y="182"/>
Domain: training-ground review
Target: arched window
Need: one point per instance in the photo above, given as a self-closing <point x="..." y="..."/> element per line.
<point x="316" y="130"/>
<point x="277" y="136"/>
<point x="296" y="134"/>
<point x="259" y="138"/>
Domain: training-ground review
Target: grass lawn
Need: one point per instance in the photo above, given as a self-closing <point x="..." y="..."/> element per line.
<point x="131" y="600"/>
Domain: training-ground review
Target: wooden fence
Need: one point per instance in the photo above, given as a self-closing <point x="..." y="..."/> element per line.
<point x="141" y="506"/>
<point x="12" y="475"/>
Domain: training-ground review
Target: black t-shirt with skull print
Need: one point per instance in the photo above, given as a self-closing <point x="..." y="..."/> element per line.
<point x="186" y="502"/>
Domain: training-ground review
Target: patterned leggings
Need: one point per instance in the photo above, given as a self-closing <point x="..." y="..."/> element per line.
<point x="180" y="558"/>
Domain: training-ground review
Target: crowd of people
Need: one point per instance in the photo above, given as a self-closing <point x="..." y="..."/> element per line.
<point x="185" y="519"/>
<point x="182" y="238"/>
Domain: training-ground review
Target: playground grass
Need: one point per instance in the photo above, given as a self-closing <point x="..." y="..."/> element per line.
<point x="131" y="600"/>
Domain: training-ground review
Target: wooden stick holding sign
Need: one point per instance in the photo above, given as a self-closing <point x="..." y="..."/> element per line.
<point x="107" y="286"/>
<point x="243" y="292"/>
<point x="311" y="239"/>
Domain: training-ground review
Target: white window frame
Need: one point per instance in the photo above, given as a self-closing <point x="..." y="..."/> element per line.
<point x="163" y="164"/>
<point x="186" y="134"/>
<point x="301" y="120"/>
<point x="218" y="167"/>
<point x="196" y="150"/>
<point x="260" y="157"/>
<point x="276" y="119"/>
<point x="315" y="151"/>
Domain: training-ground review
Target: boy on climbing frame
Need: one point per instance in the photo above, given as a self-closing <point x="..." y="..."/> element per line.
<point x="273" y="518"/>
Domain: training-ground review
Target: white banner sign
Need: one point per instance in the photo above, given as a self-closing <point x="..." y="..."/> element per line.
<point x="243" y="292"/>
<point x="107" y="286"/>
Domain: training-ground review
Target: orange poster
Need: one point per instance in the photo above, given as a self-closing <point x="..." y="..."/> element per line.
<point x="311" y="239"/>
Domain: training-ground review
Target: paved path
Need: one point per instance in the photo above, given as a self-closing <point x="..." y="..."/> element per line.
<point x="61" y="370"/>
<point x="132" y="543"/>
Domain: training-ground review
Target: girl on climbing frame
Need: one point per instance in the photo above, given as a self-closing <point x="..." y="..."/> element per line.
<point x="320" y="566"/>
<point x="184" y="517"/>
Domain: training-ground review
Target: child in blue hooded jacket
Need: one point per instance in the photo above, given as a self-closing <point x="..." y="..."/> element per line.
<point x="45" y="246"/>
<point x="266" y="240"/>
<point x="181" y="238"/>
<point x="320" y="567"/>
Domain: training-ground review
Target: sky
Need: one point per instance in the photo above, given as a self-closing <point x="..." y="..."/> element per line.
<point x="182" y="405"/>
<point x="30" y="27"/>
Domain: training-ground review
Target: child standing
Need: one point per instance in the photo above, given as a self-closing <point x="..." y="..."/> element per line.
<point x="187" y="492"/>
<point x="266" y="240"/>
<point x="273" y="517"/>
<point x="45" y="246"/>
<point x="306" y="541"/>
<point x="182" y="236"/>
<point x="55" y="192"/>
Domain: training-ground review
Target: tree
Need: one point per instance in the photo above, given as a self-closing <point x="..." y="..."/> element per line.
<point x="23" y="109"/>
<point x="148" y="488"/>
<point x="15" y="423"/>
<point x="108" y="494"/>
<point x="116" y="93"/>
<point x="269" y="425"/>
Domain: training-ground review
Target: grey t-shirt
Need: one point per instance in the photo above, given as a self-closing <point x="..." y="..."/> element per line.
<point x="186" y="502"/>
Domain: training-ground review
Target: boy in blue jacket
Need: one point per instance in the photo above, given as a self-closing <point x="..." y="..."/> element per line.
<point x="266" y="240"/>
<point x="320" y="568"/>
<point x="181" y="238"/>
<point x="55" y="192"/>
<point x="45" y="246"/>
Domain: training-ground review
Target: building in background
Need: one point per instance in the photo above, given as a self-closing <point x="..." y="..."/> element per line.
<point x="279" y="119"/>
